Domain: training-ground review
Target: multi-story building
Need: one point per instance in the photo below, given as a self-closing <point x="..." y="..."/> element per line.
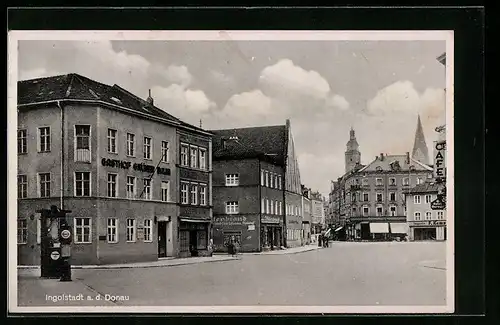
<point x="114" y="160"/>
<point x="424" y="222"/>
<point x="255" y="175"/>
<point x="307" y="215"/>
<point x="368" y="200"/>
<point x="317" y="212"/>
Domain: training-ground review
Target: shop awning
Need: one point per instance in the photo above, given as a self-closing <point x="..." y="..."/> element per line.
<point x="163" y="218"/>
<point x="339" y="228"/>
<point x="379" y="228"/>
<point x="399" y="228"/>
<point x="195" y="220"/>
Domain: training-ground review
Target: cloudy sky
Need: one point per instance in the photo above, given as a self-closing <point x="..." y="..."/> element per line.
<point x="323" y="87"/>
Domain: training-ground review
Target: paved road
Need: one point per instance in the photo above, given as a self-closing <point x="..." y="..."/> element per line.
<point x="344" y="274"/>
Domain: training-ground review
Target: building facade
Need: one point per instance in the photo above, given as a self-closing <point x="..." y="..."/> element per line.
<point x="307" y="216"/>
<point x="252" y="170"/>
<point x="368" y="200"/>
<point x="424" y="222"/>
<point x="109" y="157"/>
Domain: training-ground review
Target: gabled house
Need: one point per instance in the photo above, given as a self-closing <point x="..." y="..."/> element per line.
<point x="256" y="178"/>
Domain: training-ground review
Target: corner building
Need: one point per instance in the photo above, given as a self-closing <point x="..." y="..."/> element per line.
<point x="250" y="175"/>
<point x="114" y="160"/>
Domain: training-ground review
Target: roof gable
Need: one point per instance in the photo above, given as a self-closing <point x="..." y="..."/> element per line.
<point x="250" y="142"/>
<point x="390" y="163"/>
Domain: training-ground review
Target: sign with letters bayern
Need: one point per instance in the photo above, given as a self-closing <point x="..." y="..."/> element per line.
<point x="440" y="159"/>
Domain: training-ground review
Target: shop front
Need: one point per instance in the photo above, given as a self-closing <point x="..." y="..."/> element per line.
<point x="428" y="230"/>
<point x="271" y="233"/>
<point x="194" y="237"/>
<point x="379" y="231"/>
<point x="242" y="228"/>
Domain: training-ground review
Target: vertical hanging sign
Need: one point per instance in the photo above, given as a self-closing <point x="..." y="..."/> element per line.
<point x="440" y="159"/>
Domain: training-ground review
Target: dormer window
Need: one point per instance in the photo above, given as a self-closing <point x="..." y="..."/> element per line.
<point x="379" y="169"/>
<point x="116" y="100"/>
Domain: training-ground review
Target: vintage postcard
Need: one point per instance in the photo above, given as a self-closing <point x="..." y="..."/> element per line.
<point x="230" y="172"/>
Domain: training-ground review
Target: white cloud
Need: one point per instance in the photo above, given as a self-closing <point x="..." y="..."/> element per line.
<point x="179" y="75"/>
<point x="398" y="97"/>
<point x="286" y="78"/>
<point x="221" y="78"/>
<point x="338" y="101"/>
<point x="187" y="104"/>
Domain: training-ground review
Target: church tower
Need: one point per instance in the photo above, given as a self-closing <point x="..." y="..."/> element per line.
<point x="420" y="151"/>
<point x="352" y="154"/>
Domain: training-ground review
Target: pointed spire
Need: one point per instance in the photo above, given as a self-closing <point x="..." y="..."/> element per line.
<point x="420" y="150"/>
<point x="201" y="123"/>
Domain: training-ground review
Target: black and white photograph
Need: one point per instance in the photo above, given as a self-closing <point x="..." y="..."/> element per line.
<point x="230" y="171"/>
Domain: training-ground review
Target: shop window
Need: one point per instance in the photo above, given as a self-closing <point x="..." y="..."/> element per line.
<point x="226" y="236"/>
<point x="202" y="239"/>
<point x="184" y="240"/>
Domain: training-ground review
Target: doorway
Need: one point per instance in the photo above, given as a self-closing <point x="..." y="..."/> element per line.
<point x="365" y="231"/>
<point x="193" y="242"/>
<point x="162" y="239"/>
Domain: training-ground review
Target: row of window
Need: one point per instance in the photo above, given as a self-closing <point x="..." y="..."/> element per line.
<point x="293" y="234"/>
<point x="82" y="186"/>
<point x="428" y="215"/>
<point x="392" y="181"/>
<point x="270" y="179"/>
<point x="83" y="144"/>
<point x="379" y="211"/>
<point x="271" y="207"/>
<point x="193" y="193"/>
<point x="392" y="197"/>
<point x="83" y="230"/>
<point x="193" y="156"/>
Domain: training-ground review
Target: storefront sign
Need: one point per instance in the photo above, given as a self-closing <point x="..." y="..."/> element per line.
<point x="438" y="204"/>
<point x="270" y="219"/>
<point x="440" y="159"/>
<point x="232" y="221"/>
<point x="431" y="223"/>
<point x="115" y="163"/>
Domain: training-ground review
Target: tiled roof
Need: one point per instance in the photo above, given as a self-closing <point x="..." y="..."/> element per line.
<point x="385" y="164"/>
<point x="253" y="142"/>
<point x="76" y="87"/>
<point x="427" y="187"/>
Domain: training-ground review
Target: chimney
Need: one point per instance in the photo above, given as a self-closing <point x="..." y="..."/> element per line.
<point x="150" y="99"/>
<point x="407" y="157"/>
<point x="381" y="157"/>
<point x="223" y="142"/>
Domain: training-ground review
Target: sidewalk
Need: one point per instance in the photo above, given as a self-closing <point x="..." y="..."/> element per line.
<point x="294" y="250"/>
<point x="160" y="263"/>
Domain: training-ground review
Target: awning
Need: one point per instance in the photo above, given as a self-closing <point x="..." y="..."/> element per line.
<point x="339" y="228"/>
<point x="195" y="220"/>
<point x="399" y="228"/>
<point x="379" y="227"/>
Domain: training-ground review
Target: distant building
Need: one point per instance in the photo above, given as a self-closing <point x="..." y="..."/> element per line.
<point x="307" y="215"/>
<point x="368" y="200"/>
<point x="136" y="179"/>
<point x="424" y="222"/>
<point x="257" y="196"/>
<point x="352" y="153"/>
<point x="317" y="212"/>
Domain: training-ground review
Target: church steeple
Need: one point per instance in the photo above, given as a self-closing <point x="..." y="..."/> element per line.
<point x="352" y="154"/>
<point x="420" y="150"/>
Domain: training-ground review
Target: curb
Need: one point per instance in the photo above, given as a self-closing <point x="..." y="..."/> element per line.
<point x="131" y="266"/>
